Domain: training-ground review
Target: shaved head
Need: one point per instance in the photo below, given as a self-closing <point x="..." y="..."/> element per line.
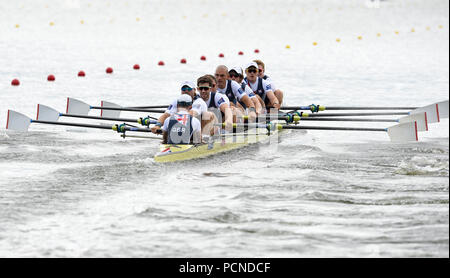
<point x="221" y="76"/>
<point x="222" y="68"/>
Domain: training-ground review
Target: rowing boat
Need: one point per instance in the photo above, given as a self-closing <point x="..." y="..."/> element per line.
<point x="174" y="153"/>
<point x="406" y="130"/>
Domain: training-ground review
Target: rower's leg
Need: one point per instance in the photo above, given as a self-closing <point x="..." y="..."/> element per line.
<point x="238" y="115"/>
<point x="208" y="121"/>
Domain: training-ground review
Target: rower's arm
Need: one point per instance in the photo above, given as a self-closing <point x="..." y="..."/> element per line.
<point x="226" y="110"/>
<point x="273" y="99"/>
<point x="161" y="121"/>
<point x="257" y="104"/>
<point x="194" y="114"/>
<point x="248" y="102"/>
<point x="163" y="118"/>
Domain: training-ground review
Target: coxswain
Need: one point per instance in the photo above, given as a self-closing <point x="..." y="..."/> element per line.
<point x="262" y="73"/>
<point x="198" y="106"/>
<point x="216" y="102"/>
<point x="181" y="127"/>
<point x="261" y="87"/>
<point x="234" y="93"/>
<point x="237" y="75"/>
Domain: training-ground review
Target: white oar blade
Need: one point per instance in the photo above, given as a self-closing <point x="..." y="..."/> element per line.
<point x="109" y="113"/>
<point x="443" y="109"/>
<point x="431" y="110"/>
<point x="45" y="113"/>
<point x="77" y="107"/>
<point x="420" y="118"/>
<point x="17" y="121"/>
<point x="404" y="132"/>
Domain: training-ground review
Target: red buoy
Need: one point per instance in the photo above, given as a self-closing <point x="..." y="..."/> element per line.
<point x="161" y="63"/>
<point x="136" y="67"/>
<point x="203" y="58"/>
<point x="241" y="53"/>
<point x="256" y="50"/>
<point x="221" y="55"/>
<point x="183" y="61"/>
<point x="81" y="73"/>
<point x="15" y="82"/>
<point x="51" y="77"/>
<point x="109" y="70"/>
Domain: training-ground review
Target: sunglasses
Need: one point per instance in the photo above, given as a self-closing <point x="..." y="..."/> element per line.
<point x="204" y="88"/>
<point x="252" y="70"/>
<point x="234" y="75"/>
<point x="186" y="88"/>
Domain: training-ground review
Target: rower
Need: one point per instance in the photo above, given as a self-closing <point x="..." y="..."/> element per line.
<point x="214" y="84"/>
<point x="181" y="127"/>
<point x="262" y="73"/>
<point x="234" y="93"/>
<point x="216" y="102"/>
<point x="237" y="75"/>
<point x="198" y="105"/>
<point x="261" y="87"/>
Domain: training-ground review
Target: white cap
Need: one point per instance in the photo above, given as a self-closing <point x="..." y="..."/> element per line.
<point x="184" y="99"/>
<point x="238" y="70"/>
<point x="252" y="64"/>
<point x="188" y="83"/>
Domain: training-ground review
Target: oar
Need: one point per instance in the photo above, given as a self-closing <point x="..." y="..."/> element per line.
<point x="46" y="113"/>
<point x="317" y="108"/>
<point x="420" y="118"/>
<point x="78" y="107"/>
<point x="149" y="107"/>
<point x="302" y="114"/>
<point x="19" y="122"/>
<point x="435" y="112"/>
<point x="403" y="132"/>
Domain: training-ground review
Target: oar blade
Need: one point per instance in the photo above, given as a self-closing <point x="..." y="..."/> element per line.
<point x="77" y="107"/>
<point x="431" y="110"/>
<point x="420" y="118"/>
<point x="17" y="121"/>
<point x="404" y="132"/>
<point x="109" y="113"/>
<point x="45" y="113"/>
<point x="443" y="109"/>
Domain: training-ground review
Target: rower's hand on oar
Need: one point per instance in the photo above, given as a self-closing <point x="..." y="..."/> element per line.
<point x="252" y="116"/>
<point x="229" y="126"/>
<point x="156" y="129"/>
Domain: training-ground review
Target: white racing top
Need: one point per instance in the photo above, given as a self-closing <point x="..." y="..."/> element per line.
<point x="235" y="88"/>
<point x="269" y="80"/>
<point x="219" y="99"/>
<point x="196" y="126"/>
<point x="248" y="90"/>
<point x="266" y="85"/>
<point x="198" y="106"/>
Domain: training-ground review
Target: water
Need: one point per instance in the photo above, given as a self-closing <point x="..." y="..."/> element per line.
<point x="68" y="192"/>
